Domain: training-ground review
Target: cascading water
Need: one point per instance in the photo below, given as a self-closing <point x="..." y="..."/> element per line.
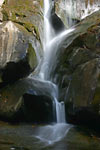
<point x="49" y="46"/>
<point x="52" y="133"/>
<point x="51" y="43"/>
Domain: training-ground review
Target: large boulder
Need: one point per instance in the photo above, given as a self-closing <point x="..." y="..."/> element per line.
<point x="18" y="57"/>
<point x="26" y="100"/>
<point x="78" y="73"/>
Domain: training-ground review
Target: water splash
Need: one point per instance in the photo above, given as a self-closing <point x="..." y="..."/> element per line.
<point x="52" y="133"/>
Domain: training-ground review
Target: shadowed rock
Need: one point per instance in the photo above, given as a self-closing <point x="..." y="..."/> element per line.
<point x="27" y="100"/>
<point x="78" y="73"/>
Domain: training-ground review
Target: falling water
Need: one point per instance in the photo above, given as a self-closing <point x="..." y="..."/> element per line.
<point x="50" y="49"/>
<point x="52" y="133"/>
<point x="51" y="43"/>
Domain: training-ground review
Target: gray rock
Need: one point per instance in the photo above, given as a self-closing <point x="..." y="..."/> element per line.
<point x="18" y="57"/>
<point x="26" y="100"/>
<point x="78" y="72"/>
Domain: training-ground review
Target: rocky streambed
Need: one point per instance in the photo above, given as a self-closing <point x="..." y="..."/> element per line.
<point x="23" y="137"/>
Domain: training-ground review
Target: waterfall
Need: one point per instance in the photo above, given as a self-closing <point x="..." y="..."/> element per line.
<point x="51" y="44"/>
<point x="52" y="133"/>
<point x="50" y="47"/>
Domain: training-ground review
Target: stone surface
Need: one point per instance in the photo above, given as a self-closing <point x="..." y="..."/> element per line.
<point x="76" y="10"/>
<point x="23" y="137"/>
<point x="56" y="23"/>
<point x="26" y="100"/>
<point x="18" y="57"/>
<point x="27" y="13"/>
<point x="79" y="72"/>
<point x="1" y="15"/>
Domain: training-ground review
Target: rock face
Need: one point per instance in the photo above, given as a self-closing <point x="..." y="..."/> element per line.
<point x="1" y="15"/>
<point x="20" y="38"/>
<point x="28" y="13"/>
<point x="18" y="57"/>
<point x="55" y="21"/>
<point x="79" y="73"/>
<point x="21" y="34"/>
<point x="75" y="9"/>
<point x="26" y="100"/>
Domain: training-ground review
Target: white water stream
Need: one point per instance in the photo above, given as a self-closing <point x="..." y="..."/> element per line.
<point x="50" y="49"/>
<point x="52" y="133"/>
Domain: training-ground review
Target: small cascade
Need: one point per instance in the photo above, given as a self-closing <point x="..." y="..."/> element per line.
<point x="60" y="109"/>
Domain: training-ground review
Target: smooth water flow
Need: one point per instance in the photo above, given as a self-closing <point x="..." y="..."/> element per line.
<point x="51" y="44"/>
<point x="52" y="133"/>
<point x="50" y="49"/>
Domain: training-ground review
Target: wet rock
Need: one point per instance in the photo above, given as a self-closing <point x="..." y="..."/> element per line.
<point x="56" y="22"/>
<point x="18" y="57"/>
<point x="23" y="137"/>
<point x="80" y="96"/>
<point x="78" y="74"/>
<point x="37" y="108"/>
<point x="75" y="10"/>
<point x="26" y="100"/>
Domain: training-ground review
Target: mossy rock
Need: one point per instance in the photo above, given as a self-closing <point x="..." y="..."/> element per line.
<point x="25" y="12"/>
<point x="19" y="57"/>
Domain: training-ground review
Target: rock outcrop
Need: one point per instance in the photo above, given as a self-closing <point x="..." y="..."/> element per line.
<point x="18" y="57"/>
<point x="26" y="100"/>
<point x="27" y="13"/>
<point x="21" y="34"/>
<point x="79" y="73"/>
<point x="71" y="11"/>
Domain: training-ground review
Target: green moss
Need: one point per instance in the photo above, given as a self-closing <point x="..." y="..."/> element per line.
<point x="31" y="57"/>
<point x="41" y="3"/>
<point x="5" y="15"/>
<point x="25" y="13"/>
